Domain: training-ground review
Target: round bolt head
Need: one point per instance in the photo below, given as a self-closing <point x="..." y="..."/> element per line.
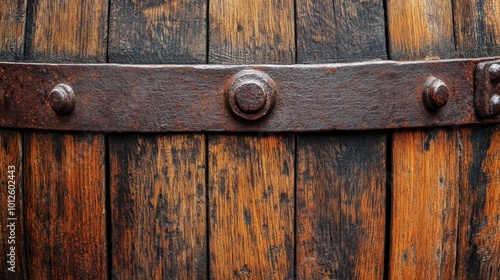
<point x="62" y="99"/>
<point x="435" y="94"/>
<point x="251" y="94"/>
<point x="494" y="72"/>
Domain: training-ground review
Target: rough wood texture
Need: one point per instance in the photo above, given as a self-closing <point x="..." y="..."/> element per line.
<point x="340" y="31"/>
<point x="340" y="206"/>
<point x="158" y="31"/>
<point x="11" y="194"/>
<point x="420" y="29"/>
<point x="67" y="31"/>
<point x="158" y="206"/>
<point x="12" y="20"/>
<point x="477" y="27"/>
<point x="65" y="206"/>
<point x="424" y="205"/>
<point x="250" y="32"/>
<point x="251" y="207"/>
<point x="479" y="239"/>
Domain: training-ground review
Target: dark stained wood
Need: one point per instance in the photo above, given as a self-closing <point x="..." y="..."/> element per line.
<point x="340" y="31"/>
<point x="65" y="205"/>
<point x="67" y="31"/>
<point x="477" y="27"/>
<point x="251" y="32"/>
<point x="420" y="29"/>
<point x="12" y="26"/>
<point x="158" y="31"/>
<point x="424" y="206"/>
<point x="479" y="232"/>
<point x="158" y="206"/>
<point x="341" y="206"/>
<point x="12" y="211"/>
<point x="251" y="206"/>
<point x="65" y="173"/>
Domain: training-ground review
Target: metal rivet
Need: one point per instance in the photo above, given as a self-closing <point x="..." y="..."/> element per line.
<point x="251" y="94"/>
<point x="435" y="94"/>
<point x="62" y="99"/>
<point x="494" y="72"/>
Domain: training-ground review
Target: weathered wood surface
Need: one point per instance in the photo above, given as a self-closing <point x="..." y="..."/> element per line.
<point x="12" y="26"/>
<point x="158" y="31"/>
<point x="424" y="199"/>
<point x="157" y="186"/>
<point x="65" y="178"/>
<point x="340" y="215"/>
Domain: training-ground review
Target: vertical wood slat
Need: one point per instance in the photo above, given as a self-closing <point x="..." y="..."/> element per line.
<point x="477" y="31"/>
<point x="12" y="26"/>
<point x="12" y="258"/>
<point x="158" y="31"/>
<point x="425" y="162"/>
<point x="65" y="198"/>
<point x="158" y="206"/>
<point x="340" y="177"/>
<point x="251" y="193"/>
<point x="65" y="174"/>
<point x="158" y="192"/>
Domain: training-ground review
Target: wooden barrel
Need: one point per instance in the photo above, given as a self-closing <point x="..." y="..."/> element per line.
<point x="414" y="203"/>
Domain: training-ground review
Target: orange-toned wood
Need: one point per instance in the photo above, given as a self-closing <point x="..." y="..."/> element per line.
<point x="67" y="31"/>
<point x="158" y="206"/>
<point x="12" y="258"/>
<point x="12" y="20"/>
<point x="251" y="206"/>
<point x="420" y="29"/>
<point x="424" y="204"/>
<point x="477" y="27"/>
<point x="158" y="31"/>
<point x="479" y="239"/>
<point x="249" y="32"/>
<point x="341" y="206"/>
<point x="65" y="205"/>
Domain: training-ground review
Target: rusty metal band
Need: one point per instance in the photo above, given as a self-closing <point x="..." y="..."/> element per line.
<point x="272" y="98"/>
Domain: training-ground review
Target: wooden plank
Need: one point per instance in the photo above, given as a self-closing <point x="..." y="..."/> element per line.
<point x="251" y="32"/>
<point x="340" y="181"/>
<point x="341" y="206"/>
<point x="13" y="257"/>
<point x="420" y="29"/>
<point x="477" y="35"/>
<point x="479" y="239"/>
<point x="65" y="205"/>
<point x="65" y="173"/>
<point x="12" y="20"/>
<point x="158" y="31"/>
<point x="158" y="206"/>
<point x="424" y="203"/>
<point x="251" y="191"/>
<point x="340" y="31"/>
<point x="477" y="30"/>
<point x="251" y="206"/>
<point x="67" y="31"/>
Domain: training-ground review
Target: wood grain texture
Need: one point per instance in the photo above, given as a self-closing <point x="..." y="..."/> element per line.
<point x="477" y="27"/>
<point x="12" y="26"/>
<point x="251" y="206"/>
<point x="158" y="206"/>
<point x="67" y="31"/>
<point x="12" y="193"/>
<point x="250" y="32"/>
<point x="340" y="31"/>
<point x="420" y="29"/>
<point x="341" y="206"/>
<point x="479" y="231"/>
<point x="65" y="205"/>
<point x="425" y="204"/>
<point x="158" y="31"/>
